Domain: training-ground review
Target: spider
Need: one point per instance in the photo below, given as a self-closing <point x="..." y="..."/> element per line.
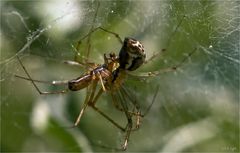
<point x="110" y="76"/>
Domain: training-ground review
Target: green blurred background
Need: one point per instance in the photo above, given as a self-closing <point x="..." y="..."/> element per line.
<point x="197" y="107"/>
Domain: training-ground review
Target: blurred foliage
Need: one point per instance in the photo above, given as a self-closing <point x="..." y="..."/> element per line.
<point x="196" y="109"/>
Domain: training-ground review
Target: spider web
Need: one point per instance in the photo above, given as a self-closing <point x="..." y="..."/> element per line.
<point x="196" y="108"/>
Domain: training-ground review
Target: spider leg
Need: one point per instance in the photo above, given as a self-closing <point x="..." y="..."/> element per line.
<point x="164" y="70"/>
<point x="116" y="105"/>
<point x="128" y="93"/>
<point x="154" y="56"/>
<point x="129" y="125"/>
<point x="136" y="106"/>
<point x="168" y="42"/>
<point x="128" y="132"/>
<point x="96" y="29"/>
<point x="108" y="118"/>
<point x="88" y="40"/>
<point x="92" y="104"/>
<point x="140" y="116"/>
<point x="90" y="100"/>
<point x="153" y="100"/>
<point x="88" y="36"/>
<point x="34" y="84"/>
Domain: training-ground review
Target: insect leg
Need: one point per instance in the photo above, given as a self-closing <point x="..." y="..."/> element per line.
<point x="82" y="111"/>
<point x="90" y="93"/>
<point x="101" y="80"/>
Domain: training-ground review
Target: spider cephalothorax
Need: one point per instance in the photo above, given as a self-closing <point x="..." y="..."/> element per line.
<point x="132" y="54"/>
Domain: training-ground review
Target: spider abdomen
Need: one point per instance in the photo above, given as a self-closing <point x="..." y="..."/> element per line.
<point x="131" y="55"/>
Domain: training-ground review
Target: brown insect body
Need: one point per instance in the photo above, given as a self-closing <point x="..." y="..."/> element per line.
<point x="85" y="80"/>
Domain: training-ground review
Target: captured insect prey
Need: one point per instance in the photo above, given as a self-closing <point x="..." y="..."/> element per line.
<point x="109" y="78"/>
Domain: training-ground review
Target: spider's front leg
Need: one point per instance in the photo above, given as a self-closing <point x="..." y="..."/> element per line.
<point x="87" y="36"/>
<point x="164" y="70"/>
